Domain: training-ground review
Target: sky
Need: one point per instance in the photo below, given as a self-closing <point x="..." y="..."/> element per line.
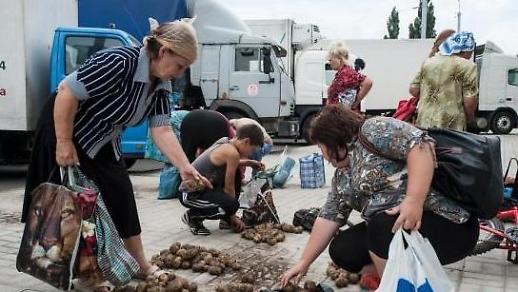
<point x="495" y="20"/>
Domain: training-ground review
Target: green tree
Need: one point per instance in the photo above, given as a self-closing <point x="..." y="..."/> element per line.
<point x="414" y="29"/>
<point x="393" y="25"/>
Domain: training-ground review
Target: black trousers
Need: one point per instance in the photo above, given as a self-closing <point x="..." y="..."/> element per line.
<point x="110" y="175"/>
<point x="210" y="204"/>
<point x="112" y="179"/>
<point x="452" y="242"/>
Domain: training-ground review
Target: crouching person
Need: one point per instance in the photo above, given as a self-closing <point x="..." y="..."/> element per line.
<point x="219" y="164"/>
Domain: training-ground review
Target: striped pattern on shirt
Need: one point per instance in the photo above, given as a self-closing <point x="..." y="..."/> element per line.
<point x="112" y="88"/>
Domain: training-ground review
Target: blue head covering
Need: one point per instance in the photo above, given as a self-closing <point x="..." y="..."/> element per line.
<point x="457" y="43"/>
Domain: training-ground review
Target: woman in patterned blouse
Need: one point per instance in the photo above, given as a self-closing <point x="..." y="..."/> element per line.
<point x="447" y="85"/>
<point x="349" y="87"/>
<point x="388" y="194"/>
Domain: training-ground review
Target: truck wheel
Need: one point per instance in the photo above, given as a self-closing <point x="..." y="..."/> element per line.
<point x="502" y="122"/>
<point x="305" y="127"/>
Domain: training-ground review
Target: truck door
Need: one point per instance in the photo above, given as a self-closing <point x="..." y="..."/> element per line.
<point x="512" y="87"/>
<point x="255" y="80"/>
<point x="209" y="78"/>
<point x="79" y="47"/>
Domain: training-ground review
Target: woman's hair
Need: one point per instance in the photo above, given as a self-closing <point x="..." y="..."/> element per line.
<point x="441" y="37"/>
<point x="178" y="36"/>
<point x="338" y="50"/>
<point x="336" y="127"/>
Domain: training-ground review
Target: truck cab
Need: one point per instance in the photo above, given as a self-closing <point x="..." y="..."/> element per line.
<point x="308" y="82"/>
<point x="71" y="46"/>
<point x="244" y="79"/>
<point x="238" y="73"/>
<point x="498" y="89"/>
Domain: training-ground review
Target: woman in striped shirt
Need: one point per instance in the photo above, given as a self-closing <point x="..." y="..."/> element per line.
<point x="112" y="90"/>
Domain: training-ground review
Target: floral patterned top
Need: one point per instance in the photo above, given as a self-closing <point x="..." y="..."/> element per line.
<point x="373" y="184"/>
<point x="345" y="86"/>
<point x="444" y="82"/>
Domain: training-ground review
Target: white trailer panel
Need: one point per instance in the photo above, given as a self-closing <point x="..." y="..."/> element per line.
<point x="27" y="30"/>
<point x="391" y="65"/>
<point x="495" y="88"/>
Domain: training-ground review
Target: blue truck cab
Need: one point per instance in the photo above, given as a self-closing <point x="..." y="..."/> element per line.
<point x="73" y="45"/>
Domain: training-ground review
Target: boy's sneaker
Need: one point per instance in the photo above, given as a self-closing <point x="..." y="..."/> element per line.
<point x="224" y="225"/>
<point x="196" y="226"/>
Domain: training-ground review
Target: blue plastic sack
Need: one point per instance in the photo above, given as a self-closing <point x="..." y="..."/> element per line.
<point x="312" y="173"/>
<point x="169" y="182"/>
<point x="152" y="151"/>
<point x="284" y="172"/>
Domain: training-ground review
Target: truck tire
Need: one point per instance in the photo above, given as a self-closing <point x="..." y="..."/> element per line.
<point x="305" y="127"/>
<point x="16" y="149"/>
<point x="502" y="122"/>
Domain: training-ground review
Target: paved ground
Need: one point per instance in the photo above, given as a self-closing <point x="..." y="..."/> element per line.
<point x="162" y="226"/>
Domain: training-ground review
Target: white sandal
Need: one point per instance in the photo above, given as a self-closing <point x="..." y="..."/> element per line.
<point x="154" y="271"/>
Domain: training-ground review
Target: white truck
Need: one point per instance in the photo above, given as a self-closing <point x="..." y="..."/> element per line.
<point x="25" y="51"/>
<point x="392" y="65"/>
<point x="296" y="38"/>
<point x="307" y="65"/>
<point x="239" y="73"/>
<point x="498" y="89"/>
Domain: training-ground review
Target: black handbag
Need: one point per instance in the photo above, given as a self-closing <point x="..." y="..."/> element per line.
<point x="306" y="218"/>
<point x="469" y="169"/>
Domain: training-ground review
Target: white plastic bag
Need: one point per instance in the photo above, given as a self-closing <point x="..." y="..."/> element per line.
<point x="415" y="268"/>
<point x="250" y="191"/>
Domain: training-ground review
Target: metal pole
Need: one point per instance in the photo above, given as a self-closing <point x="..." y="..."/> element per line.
<point x="424" y="14"/>
<point x="458" y="18"/>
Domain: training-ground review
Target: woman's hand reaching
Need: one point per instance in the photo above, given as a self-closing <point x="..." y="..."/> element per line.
<point x="193" y="178"/>
<point x="296" y="272"/>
